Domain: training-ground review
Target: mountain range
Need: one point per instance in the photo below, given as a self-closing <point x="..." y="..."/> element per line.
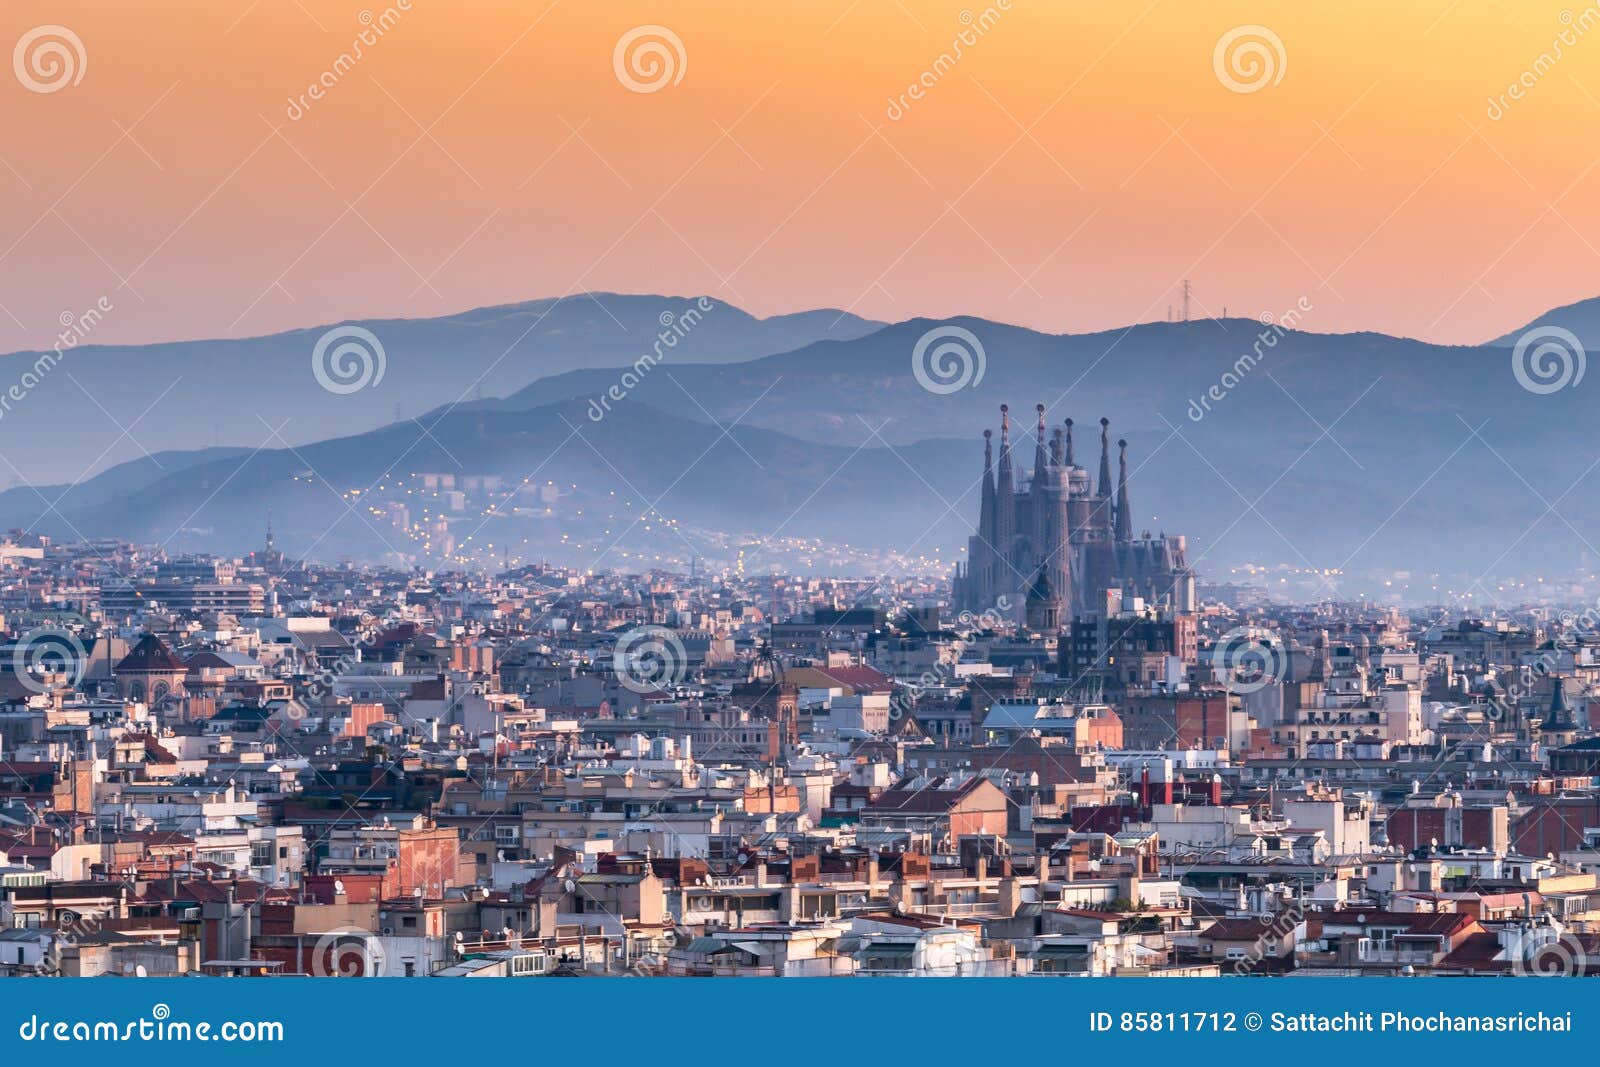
<point x="812" y="438"/>
<point x="188" y="394"/>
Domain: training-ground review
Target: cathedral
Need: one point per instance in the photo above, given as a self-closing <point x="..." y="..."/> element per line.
<point x="1059" y="545"/>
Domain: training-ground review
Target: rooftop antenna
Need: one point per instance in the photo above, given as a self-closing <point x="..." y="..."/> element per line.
<point x="1186" y="300"/>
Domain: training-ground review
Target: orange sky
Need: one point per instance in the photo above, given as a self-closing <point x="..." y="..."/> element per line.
<point x="1066" y="172"/>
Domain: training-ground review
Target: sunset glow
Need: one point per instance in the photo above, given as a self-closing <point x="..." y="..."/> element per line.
<point x="1067" y="171"/>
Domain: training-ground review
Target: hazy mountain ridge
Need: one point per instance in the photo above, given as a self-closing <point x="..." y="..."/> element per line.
<point x="219" y="501"/>
<point x="1350" y="451"/>
<point x="185" y="395"/>
<point x="1581" y="318"/>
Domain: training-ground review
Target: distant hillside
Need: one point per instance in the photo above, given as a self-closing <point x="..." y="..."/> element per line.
<point x="1581" y="319"/>
<point x="192" y="394"/>
<point x="742" y="487"/>
<point x="1226" y="432"/>
<point x="1360" y="458"/>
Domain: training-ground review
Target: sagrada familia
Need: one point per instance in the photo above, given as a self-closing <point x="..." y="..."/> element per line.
<point x="1061" y="546"/>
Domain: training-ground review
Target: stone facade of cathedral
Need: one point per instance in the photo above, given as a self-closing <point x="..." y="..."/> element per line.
<point x="1060" y="545"/>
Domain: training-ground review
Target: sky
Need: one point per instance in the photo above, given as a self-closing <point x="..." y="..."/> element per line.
<point x="1066" y="171"/>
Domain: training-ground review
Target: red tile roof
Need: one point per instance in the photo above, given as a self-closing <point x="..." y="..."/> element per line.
<point x="152" y="656"/>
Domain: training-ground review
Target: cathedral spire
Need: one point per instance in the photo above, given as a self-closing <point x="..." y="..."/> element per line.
<point x="1124" y="508"/>
<point x="1040" y="463"/>
<point x="986" y="514"/>
<point x="1105" y="458"/>
<point x="1071" y="459"/>
<point x="1005" y="443"/>
<point x="1005" y="510"/>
